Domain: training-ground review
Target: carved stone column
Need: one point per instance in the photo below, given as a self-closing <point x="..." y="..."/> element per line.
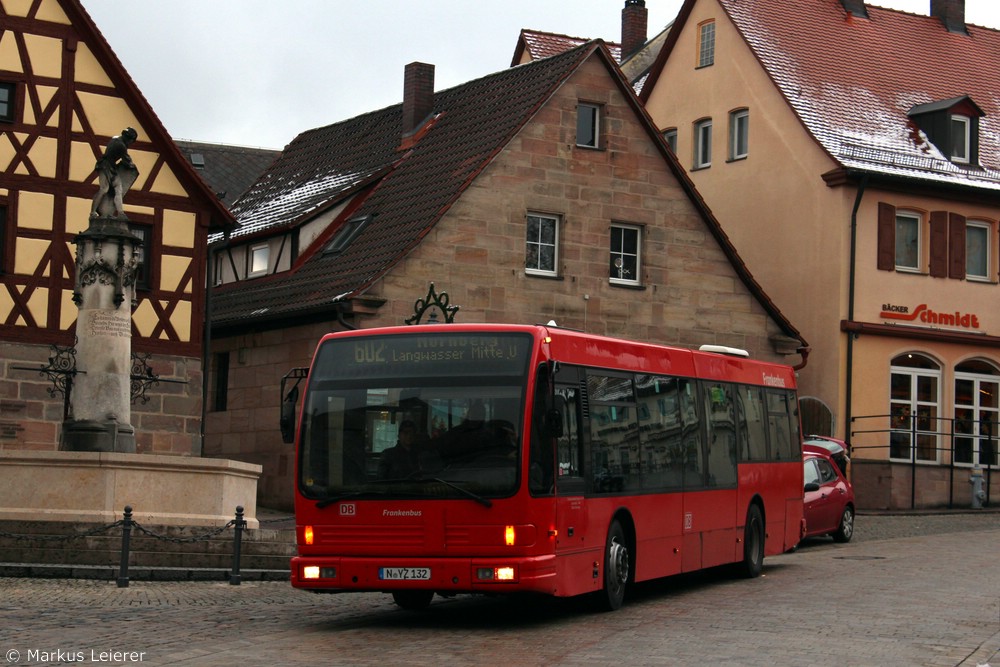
<point x="100" y="405"/>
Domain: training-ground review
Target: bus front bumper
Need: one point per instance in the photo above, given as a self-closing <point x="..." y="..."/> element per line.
<point x="444" y="575"/>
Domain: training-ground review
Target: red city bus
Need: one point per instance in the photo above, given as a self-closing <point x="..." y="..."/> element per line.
<point x="499" y="458"/>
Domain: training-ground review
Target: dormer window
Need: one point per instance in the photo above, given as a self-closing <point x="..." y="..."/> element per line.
<point x="960" y="138"/>
<point x="952" y="126"/>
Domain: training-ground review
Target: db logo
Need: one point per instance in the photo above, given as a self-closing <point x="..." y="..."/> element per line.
<point x="348" y="509"/>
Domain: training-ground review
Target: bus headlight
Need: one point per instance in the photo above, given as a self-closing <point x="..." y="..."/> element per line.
<point x="501" y="573"/>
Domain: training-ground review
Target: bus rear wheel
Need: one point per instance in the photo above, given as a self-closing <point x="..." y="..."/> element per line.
<point x="413" y="600"/>
<point x="753" y="544"/>
<point x="617" y="563"/>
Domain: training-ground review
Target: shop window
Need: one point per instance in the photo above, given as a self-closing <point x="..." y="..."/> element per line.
<point x="914" y="408"/>
<point x="977" y="413"/>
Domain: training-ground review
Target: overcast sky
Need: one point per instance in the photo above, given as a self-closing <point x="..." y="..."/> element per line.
<point x="259" y="72"/>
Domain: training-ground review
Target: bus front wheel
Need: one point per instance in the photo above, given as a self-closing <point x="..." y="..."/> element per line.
<point x="753" y="544"/>
<point x="617" y="562"/>
<point x="413" y="600"/>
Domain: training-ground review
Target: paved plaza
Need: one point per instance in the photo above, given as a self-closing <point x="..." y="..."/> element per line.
<point x="909" y="590"/>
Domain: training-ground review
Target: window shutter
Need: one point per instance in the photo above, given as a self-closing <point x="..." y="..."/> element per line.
<point x="886" y="237"/>
<point x="939" y="244"/>
<point x="956" y="246"/>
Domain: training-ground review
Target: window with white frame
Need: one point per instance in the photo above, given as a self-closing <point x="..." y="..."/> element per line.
<point x="739" y="134"/>
<point x="706" y="44"/>
<point x="977" y="413"/>
<point x="257" y="260"/>
<point x="703" y="143"/>
<point x="908" y="226"/>
<point x="588" y="117"/>
<point x="625" y="254"/>
<point x="670" y="134"/>
<point x="977" y="250"/>
<point x="914" y="408"/>
<point x="541" y="254"/>
<point x="960" y="135"/>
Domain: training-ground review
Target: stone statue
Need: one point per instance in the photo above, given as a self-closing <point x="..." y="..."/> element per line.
<point x="115" y="175"/>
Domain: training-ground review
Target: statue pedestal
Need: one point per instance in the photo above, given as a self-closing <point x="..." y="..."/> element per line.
<point x="87" y="435"/>
<point x="95" y="487"/>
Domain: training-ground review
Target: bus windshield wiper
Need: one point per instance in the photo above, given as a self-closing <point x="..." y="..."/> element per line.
<point x="485" y="502"/>
<point x="329" y="500"/>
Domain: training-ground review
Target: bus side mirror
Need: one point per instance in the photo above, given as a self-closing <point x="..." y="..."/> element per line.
<point x="553" y="424"/>
<point x="288" y="415"/>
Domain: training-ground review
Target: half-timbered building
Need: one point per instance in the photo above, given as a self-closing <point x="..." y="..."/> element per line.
<point x="63" y="96"/>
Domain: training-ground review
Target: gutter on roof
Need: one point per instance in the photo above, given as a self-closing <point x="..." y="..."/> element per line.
<point x="965" y="191"/>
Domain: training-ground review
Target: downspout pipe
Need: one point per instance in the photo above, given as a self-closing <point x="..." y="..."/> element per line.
<point x="852" y="281"/>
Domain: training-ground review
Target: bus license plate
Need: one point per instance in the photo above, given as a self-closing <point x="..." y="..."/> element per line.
<point x="404" y="573"/>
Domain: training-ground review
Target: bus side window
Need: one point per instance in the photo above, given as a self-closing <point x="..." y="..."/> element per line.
<point x="720" y="415"/>
<point x="693" y="436"/>
<point x="753" y="432"/>
<point x="779" y="424"/>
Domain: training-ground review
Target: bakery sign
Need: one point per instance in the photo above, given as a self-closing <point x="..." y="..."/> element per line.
<point x="923" y="315"/>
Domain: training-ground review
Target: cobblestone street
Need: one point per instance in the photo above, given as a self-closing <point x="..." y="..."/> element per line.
<point x="909" y="590"/>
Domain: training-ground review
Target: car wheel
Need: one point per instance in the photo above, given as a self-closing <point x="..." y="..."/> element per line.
<point x="845" y="531"/>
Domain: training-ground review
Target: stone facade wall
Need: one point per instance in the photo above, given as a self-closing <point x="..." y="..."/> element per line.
<point x="247" y="430"/>
<point x="31" y="418"/>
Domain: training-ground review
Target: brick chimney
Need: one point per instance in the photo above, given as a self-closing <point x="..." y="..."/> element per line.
<point x="951" y="13"/>
<point x="418" y="96"/>
<point x="855" y="8"/>
<point x="634" y="20"/>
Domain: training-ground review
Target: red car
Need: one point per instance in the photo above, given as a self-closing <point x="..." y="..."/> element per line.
<point x="829" y="497"/>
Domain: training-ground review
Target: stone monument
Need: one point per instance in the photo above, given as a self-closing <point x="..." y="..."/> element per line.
<point x="106" y="269"/>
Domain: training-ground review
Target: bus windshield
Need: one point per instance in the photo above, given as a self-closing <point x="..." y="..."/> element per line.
<point x="414" y="416"/>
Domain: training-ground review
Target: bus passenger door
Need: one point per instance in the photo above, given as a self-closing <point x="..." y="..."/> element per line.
<point x="571" y="508"/>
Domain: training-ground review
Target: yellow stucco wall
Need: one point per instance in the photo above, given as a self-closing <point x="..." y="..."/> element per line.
<point x="794" y="232"/>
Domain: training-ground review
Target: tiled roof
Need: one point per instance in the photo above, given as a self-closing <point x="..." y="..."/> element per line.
<point x="544" y="44"/>
<point x="227" y="170"/>
<point x="853" y="80"/>
<point x="407" y="191"/>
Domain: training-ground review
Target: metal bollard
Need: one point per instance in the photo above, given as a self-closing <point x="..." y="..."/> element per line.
<point x="978" y="492"/>
<point x="240" y="524"/>
<point x="126" y="533"/>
